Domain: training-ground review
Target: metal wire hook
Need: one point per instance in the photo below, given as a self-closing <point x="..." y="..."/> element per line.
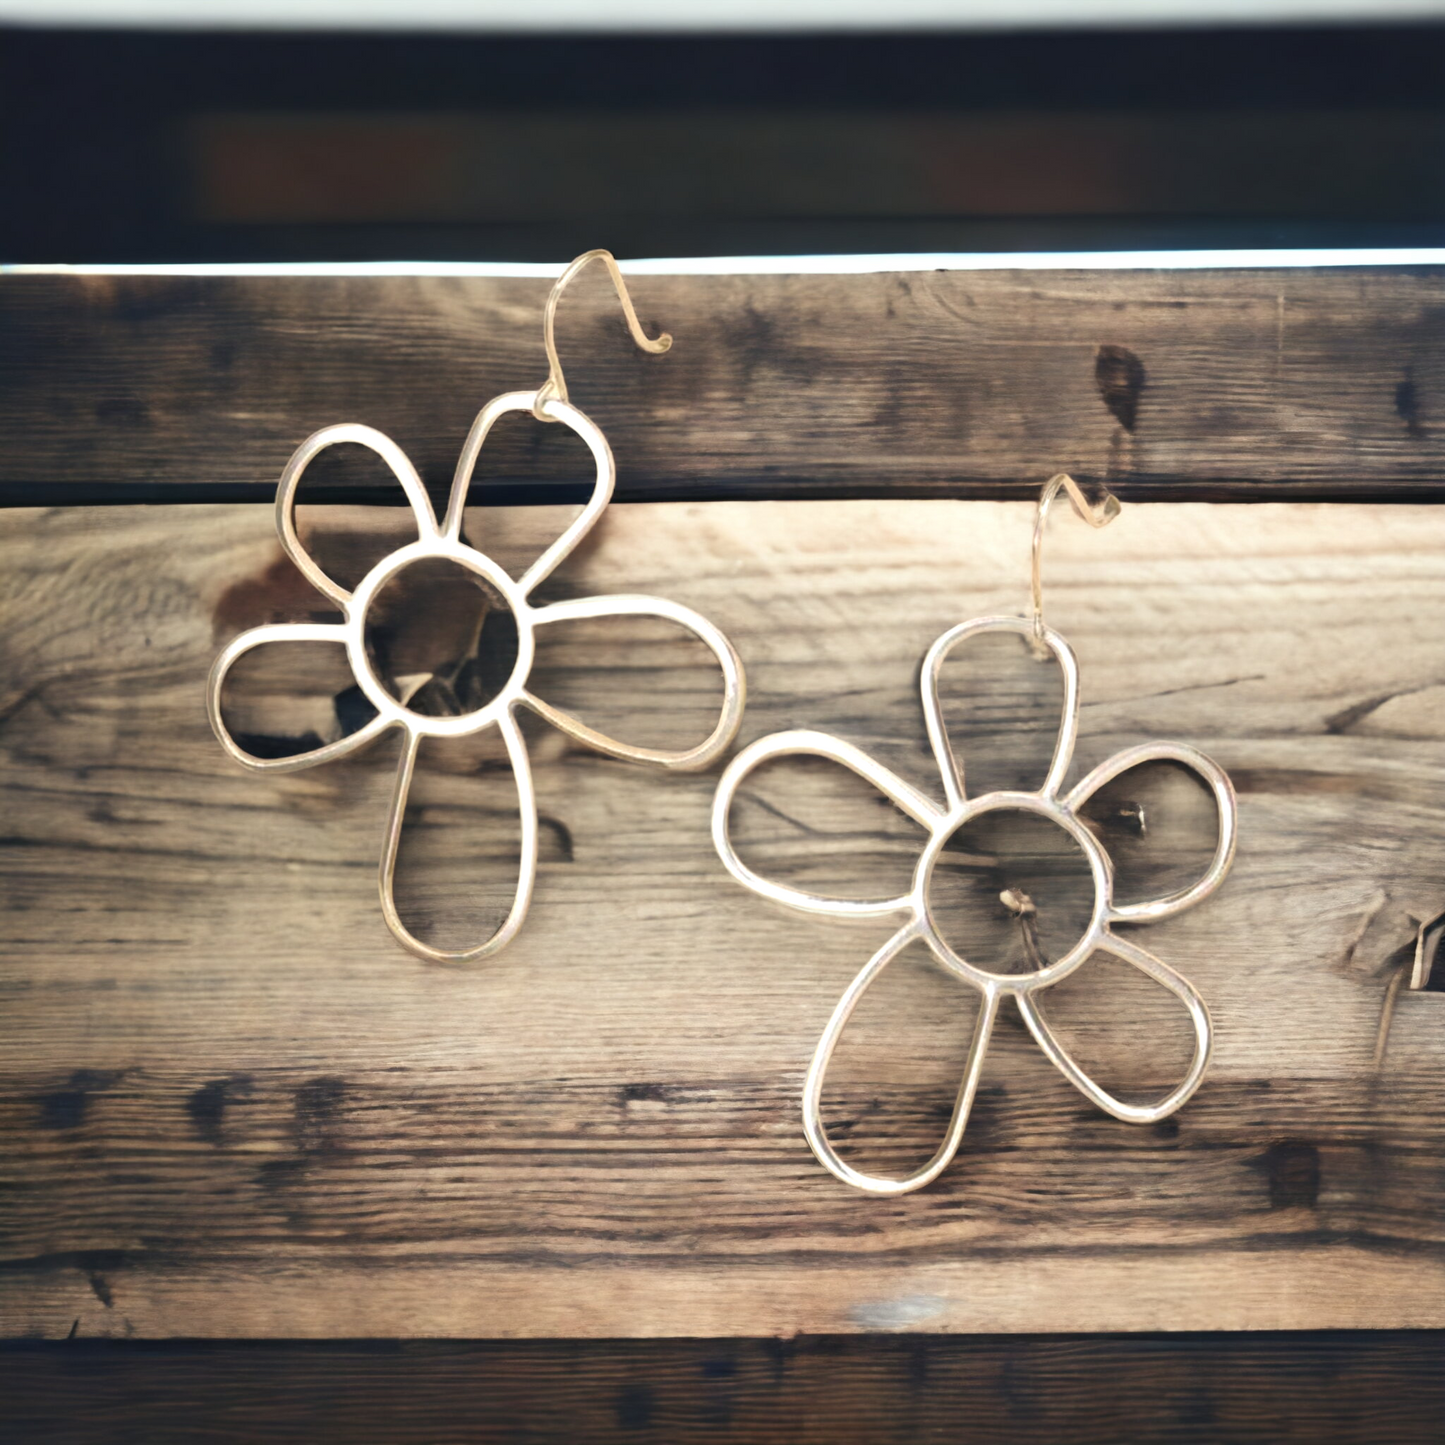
<point x="555" y="387"/>
<point x="1098" y="514"/>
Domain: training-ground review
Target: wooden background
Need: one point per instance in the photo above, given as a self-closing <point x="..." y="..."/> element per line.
<point x="231" y="1107"/>
<point x="988" y="1390"/>
<point x="1175" y="384"/>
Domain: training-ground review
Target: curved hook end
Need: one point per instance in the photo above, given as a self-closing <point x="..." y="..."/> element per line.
<point x="555" y="387"/>
<point x="1096" y="514"/>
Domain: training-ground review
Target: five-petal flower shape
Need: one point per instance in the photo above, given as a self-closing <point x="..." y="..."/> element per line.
<point x="445" y="541"/>
<point x="917" y="922"/>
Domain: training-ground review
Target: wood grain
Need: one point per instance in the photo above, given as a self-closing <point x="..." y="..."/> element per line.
<point x="230" y="1106"/>
<point x="1346" y="1388"/>
<point x="1178" y="384"/>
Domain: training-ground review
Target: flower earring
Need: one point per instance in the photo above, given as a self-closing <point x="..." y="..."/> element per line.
<point x="548" y="404"/>
<point x="914" y="910"/>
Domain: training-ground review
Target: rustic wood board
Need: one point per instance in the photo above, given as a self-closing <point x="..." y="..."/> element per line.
<point x="230" y="1106"/>
<point x="1181" y="384"/>
<point x="1339" y="1388"/>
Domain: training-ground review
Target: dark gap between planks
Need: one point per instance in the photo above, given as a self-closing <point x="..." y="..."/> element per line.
<point x="1319" y="1387"/>
<point x="771" y="489"/>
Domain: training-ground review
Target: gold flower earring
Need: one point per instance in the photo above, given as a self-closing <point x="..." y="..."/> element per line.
<point x="549" y="404"/>
<point x="913" y="909"/>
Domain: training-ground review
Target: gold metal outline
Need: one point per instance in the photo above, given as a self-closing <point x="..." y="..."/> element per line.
<point x="916" y="922"/>
<point x="444" y="541"/>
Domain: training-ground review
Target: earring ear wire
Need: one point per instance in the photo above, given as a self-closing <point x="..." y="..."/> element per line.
<point x="555" y="387"/>
<point x="1096" y="514"/>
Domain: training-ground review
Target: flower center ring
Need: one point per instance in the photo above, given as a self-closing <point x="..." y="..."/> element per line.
<point x="480" y="565"/>
<point x="1099" y="869"/>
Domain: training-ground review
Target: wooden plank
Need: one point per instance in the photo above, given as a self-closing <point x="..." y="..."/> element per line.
<point x="230" y="1106"/>
<point x="1346" y="1388"/>
<point x="1180" y="384"/>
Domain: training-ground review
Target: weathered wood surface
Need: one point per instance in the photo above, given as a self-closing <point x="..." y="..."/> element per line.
<point x="1178" y="384"/>
<point x="1345" y="1388"/>
<point x="230" y="1105"/>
